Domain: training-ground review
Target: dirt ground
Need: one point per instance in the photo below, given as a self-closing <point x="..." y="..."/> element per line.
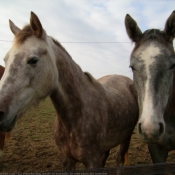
<point x="32" y="147"/>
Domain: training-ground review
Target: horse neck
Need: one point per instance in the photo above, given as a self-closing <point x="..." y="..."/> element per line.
<point x="68" y="96"/>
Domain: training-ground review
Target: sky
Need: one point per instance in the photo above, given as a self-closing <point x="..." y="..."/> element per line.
<point x="92" y="31"/>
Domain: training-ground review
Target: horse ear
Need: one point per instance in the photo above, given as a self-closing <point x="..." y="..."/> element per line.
<point x="15" y="30"/>
<point x="132" y="29"/>
<point x="36" y="25"/>
<point x="170" y="27"/>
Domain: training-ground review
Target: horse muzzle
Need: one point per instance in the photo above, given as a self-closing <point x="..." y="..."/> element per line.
<point x="151" y="132"/>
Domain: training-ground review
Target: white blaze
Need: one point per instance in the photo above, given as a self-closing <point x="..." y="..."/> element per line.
<point x="148" y="56"/>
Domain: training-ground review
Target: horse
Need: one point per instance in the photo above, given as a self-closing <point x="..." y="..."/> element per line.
<point x="1" y="71"/>
<point x="152" y="62"/>
<point x="4" y="136"/>
<point x="93" y="116"/>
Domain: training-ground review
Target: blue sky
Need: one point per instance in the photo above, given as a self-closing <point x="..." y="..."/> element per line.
<point x="93" y="32"/>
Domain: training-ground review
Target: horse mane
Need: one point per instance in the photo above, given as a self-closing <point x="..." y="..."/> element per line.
<point x="93" y="81"/>
<point x="59" y="45"/>
<point x="152" y="34"/>
<point x="90" y="77"/>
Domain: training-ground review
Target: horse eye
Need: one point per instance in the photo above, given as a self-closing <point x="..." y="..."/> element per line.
<point x="172" y="66"/>
<point x="132" y="68"/>
<point x="33" y="61"/>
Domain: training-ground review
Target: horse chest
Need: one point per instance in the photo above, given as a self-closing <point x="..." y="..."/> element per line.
<point x="68" y="140"/>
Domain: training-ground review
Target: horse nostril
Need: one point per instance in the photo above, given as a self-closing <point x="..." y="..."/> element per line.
<point x="2" y="116"/>
<point x="161" y="129"/>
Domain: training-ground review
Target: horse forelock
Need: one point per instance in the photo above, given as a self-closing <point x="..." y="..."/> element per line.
<point x="152" y="35"/>
<point x="25" y="33"/>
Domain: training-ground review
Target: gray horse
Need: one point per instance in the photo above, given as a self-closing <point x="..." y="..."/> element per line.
<point x="153" y="62"/>
<point x="92" y="116"/>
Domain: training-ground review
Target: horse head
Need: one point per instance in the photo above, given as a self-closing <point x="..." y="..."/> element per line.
<point x="30" y="72"/>
<point x="152" y="62"/>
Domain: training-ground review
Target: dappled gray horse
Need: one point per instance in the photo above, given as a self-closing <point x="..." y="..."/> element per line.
<point x="153" y="62"/>
<point x="92" y="116"/>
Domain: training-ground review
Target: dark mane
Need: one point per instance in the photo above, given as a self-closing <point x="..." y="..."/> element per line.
<point x="90" y="77"/>
<point x="59" y="45"/>
<point x="152" y="34"/>
<point x="93" y="81"/>
<point x="25" y="33"/>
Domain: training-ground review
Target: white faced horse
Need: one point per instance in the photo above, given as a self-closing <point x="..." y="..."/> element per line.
<point x="153" y="63"/>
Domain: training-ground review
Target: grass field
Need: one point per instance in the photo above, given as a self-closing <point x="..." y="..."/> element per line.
<point x="33" y="149"/>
